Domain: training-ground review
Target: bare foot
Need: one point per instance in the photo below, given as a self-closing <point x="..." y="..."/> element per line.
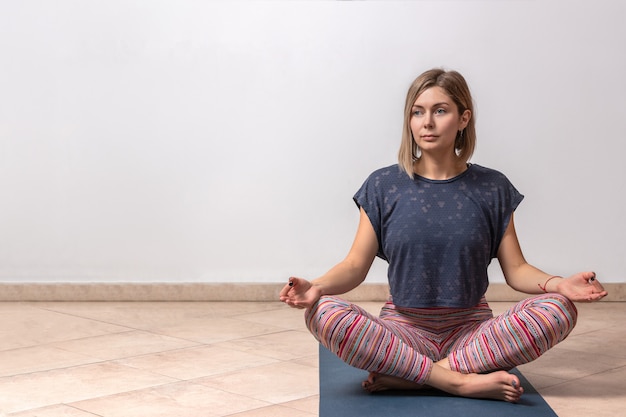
<point x="499" y="385"/>
<point x="378" y="382"/>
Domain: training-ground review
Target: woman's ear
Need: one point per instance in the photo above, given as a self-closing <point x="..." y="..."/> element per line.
<point x="465" y="118"/>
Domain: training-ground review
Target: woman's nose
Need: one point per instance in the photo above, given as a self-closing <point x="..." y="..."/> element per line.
<point x="429" y="120"/>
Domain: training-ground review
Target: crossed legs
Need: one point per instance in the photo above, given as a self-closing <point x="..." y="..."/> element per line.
<point x="401" y="356"/>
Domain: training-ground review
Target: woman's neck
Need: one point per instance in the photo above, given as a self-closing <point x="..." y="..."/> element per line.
<point x="438" y="169"/>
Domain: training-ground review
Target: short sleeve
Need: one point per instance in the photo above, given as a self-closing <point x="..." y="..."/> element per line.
<point x="369" y="198"/>
<point x="509" y="198"/>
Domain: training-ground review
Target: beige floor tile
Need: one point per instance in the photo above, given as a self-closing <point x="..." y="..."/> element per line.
<point x="308" y="404"/>
<point x="213" y="330"/>
<point x="33" y="326"/>
<point x="312" y="361"/>
<point x="140" y="314"/>
<point x="541" y="381"/>
<point x="283" y="317"/>
<point x="53" y="411"/>
<point x="14" y="307"/>
<point x="569" y="364"/>
<point x="589" y="324"/>
<point x="196" y="321"/>
<point x="191" y="363"/>
<point x="286" y="345"/>
<point x="124" y="345"/>
<point x="39" y="358"/>
<point x="276" y="383"/>
<point x="181" y="399"/>
<point x="41" y="389"/>
<point x="274" y="411"/>
<point x="602" y="310"/>
<point x="599" y="395"/>
<point x="597" y="316"/>
<point x="606" y="342"/>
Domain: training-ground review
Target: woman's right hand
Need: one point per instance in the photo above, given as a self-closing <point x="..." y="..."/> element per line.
<point x="300" y="293"/>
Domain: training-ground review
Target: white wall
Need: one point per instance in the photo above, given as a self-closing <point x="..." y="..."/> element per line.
<point x="222" y="141"/>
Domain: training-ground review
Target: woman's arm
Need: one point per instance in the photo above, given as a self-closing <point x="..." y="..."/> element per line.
<point x="519" y="274"/>
<point x="524" y="277"/>
<point x="343" y="277"/>
<point x="351" y="272"/>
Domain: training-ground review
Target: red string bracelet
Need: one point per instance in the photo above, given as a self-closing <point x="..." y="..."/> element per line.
<point x="546" y="283"/>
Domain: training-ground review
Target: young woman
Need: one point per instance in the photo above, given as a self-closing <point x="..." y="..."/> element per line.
<point x="438" y="221"/>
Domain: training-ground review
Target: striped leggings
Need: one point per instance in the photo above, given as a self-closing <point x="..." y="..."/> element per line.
<point x="404" y="342"/>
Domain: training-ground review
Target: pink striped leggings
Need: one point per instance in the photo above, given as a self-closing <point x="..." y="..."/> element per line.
<point x="404" y="342"/>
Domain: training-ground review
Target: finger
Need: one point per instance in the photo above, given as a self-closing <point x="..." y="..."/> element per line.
<point x="291" y="283"/>
<point x="284" y="291"/>
<point x="590" y="298"/>
<point x="599" y="296"/>
<point x="593" y="280"/>
<point x="285" y="299"/>
<point x="294" y="282"/>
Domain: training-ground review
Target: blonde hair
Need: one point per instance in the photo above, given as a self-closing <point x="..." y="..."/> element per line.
<point x="456" y="87"/>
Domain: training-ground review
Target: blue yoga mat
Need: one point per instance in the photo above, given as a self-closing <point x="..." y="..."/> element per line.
<point x="341" y="395"/>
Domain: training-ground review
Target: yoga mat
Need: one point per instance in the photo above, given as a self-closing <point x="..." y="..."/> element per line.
<point x="341" y="395"/>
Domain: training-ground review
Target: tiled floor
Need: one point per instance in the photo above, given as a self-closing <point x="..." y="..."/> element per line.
<point x="82" y="359"/>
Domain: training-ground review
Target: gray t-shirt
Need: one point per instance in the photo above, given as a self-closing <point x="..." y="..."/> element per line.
<point x="439" y="236"/>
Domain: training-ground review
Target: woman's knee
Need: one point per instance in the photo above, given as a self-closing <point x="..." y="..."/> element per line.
<point x="325" y="309"/>
<point x="558" y="312"/>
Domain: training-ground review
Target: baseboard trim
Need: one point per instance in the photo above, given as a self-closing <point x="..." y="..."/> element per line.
<point x="215" y="292"/>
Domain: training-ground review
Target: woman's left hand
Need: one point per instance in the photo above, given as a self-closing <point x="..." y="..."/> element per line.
<point x="583" y="287"/>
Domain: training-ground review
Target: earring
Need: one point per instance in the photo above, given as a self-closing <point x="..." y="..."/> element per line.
<point x="459" y="142"/>
<point x="415" y="151"/>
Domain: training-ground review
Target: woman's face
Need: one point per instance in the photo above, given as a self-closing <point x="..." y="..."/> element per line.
<point x="435" y="121"/>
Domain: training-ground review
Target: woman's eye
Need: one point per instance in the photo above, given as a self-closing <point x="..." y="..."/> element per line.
<point x="440" y="111"/>
<point x="417" y="113"/>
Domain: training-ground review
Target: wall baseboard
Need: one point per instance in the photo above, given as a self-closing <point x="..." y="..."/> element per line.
<point x="216" y="292"/>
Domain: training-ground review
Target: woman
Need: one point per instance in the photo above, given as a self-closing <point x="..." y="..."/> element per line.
<point x="439" y="221"/>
